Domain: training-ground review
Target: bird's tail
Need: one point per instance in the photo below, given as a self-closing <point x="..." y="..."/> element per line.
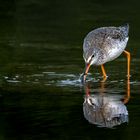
<point x="125" y="29"/>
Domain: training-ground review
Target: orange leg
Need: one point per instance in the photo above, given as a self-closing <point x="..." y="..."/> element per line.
<point x="128" y="63"/>
<point x="127" y="97"/>
<point x="104" y="73"/>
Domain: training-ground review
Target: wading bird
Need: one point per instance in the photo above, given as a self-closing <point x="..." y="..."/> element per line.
<point x="103" y="45"/>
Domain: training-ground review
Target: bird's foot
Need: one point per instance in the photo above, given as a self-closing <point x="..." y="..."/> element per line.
<point x="104" y="78"/>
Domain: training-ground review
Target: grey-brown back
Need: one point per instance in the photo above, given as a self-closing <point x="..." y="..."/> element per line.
<point x="105" y="43"/>
<point x="98" y="37"/>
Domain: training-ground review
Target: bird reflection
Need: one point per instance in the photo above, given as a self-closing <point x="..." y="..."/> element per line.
<point x="104" y="109"/>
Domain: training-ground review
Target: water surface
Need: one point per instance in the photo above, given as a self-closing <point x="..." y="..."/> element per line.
<point x="41" y="96"/>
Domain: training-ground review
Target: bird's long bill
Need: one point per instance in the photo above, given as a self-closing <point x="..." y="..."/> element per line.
<point x="83" y="76"/>
<point x="87" y="68"/>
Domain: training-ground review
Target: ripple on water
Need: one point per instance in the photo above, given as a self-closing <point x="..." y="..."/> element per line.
<point x="69" y="82"/>
<point x="75" y="80"/>
<point x="136" y="83"/>
<point x="60" y="79"/>
<point x="58" y="75"/>
<point x="13" y="81"/>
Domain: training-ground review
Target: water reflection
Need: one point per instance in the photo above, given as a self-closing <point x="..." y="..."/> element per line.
<point x="104" y="109"/>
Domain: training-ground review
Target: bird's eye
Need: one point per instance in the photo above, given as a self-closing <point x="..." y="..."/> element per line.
<point x="91" y="102"/>
<point x="92" y="56"/>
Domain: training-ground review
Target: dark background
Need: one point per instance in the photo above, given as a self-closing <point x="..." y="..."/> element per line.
<point x="64" y="22"/>
<point x="41" y="60"/>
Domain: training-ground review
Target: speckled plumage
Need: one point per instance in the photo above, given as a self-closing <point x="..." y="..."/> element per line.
<point x="105" y="44"/>
<point x="105" y="110"/>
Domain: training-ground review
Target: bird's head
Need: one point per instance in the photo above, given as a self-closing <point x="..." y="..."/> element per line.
<point x="91" y="57"/>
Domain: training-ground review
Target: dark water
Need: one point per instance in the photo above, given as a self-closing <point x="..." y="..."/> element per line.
<point x="41" y="96"/>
